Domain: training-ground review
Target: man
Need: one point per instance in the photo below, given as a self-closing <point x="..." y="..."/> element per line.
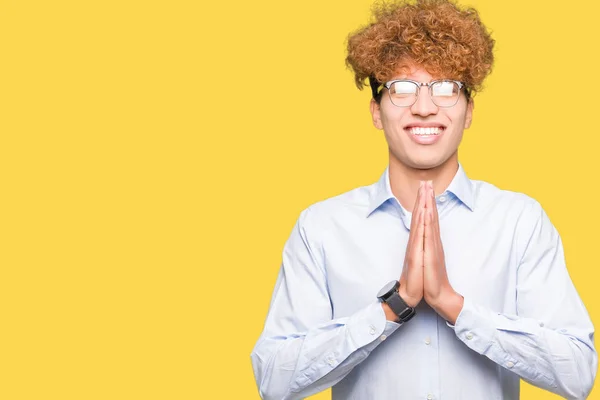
<point x="484" y="297"/>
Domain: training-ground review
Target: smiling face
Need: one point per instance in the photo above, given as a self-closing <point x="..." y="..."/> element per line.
<point x="422" y="136"/>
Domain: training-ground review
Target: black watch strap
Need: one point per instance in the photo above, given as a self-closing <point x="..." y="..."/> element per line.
<point x="399" y="307"/>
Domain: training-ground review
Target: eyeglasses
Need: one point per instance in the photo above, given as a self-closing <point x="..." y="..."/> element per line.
<point x="443" y="93"/>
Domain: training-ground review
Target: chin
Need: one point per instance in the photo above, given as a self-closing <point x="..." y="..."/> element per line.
<point x="424" y="166"/>
<point x="430" y="162"/>
<point x="424" y="163"/>
<point x="422" y="160"/>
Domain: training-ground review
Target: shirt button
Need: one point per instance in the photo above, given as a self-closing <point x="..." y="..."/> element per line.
<point x="510" y="364"/>
<point x="469" y="336"/>
<point x="443" y="199"/>
<point x="430" y="397"/>
<point x="383" y="337"/>
<point x="372" y="330"/>
<point x="427" y="341"/>
<point x="331" y="361"/>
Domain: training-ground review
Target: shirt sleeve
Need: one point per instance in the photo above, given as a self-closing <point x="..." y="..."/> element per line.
<point x="302" y="350"/>
<point x="550" y="341"/>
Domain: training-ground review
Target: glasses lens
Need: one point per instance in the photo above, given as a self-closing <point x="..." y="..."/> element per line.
<point x="445" y="94"/>
<point x="403" y="93"/>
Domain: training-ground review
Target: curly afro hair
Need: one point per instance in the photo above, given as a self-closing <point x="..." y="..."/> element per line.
<point x="446" y="40"/>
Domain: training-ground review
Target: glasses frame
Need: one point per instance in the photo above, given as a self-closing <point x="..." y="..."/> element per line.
<point x="429" y="85"/>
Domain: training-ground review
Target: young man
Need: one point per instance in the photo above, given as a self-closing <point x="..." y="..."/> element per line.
<point x="484" y="297"/>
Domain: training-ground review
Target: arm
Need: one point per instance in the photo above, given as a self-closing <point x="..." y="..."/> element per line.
<point x="550" y="342"/>
<point x="302" y="350"/>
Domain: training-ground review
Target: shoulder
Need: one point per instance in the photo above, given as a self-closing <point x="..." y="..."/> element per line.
<point x="492" y="198"/>
<point x="516" y="212"/>
<point x="342" y="208"/>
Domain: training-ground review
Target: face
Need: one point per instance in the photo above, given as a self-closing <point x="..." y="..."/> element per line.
<point x="404" y="127"/>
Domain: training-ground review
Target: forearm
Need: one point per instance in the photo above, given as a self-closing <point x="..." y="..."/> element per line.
<point x="298" y="365"/>
<point x="561" y="362"/>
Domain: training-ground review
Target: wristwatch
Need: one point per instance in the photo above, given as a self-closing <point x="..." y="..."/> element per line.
<point x="389" y="295"/>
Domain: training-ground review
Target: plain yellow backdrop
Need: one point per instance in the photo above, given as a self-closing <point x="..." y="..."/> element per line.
<point x="154" y="156"/>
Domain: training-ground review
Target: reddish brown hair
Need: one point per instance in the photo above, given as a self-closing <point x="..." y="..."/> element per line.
<point x="446" y="40"/>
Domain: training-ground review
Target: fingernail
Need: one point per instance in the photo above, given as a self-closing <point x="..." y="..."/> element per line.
<point x="421" y="183"/>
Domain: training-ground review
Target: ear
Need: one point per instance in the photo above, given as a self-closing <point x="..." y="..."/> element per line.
<point x="469" y="115"/>
<point x="376" y="114"/>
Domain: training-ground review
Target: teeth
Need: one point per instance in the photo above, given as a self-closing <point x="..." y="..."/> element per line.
<point x="425" y="131"/>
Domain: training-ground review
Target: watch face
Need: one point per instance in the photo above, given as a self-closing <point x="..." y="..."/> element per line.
<point x="387" y="288"/>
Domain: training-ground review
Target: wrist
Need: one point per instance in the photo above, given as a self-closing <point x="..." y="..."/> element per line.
<point x="410" y="301"/>
<point x="449" y="306"/>
<point x="389" y="314"/>
<point x="396" y="309"/>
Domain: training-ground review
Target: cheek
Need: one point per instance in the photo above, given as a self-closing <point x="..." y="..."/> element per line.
<point x="392" y="121"/>
<point x="461" y="116"/>
<point x="458" y="123"/>
<point x="393" y="131"/>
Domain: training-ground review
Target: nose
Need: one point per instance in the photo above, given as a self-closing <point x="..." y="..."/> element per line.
<point x="424" y="106"/>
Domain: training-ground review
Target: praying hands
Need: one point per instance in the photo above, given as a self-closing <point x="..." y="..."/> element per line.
<point x="424" y="271"/>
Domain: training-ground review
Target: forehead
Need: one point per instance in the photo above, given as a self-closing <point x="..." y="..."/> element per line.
<point x="419" y="74"/>
<point x="415" y="72"/>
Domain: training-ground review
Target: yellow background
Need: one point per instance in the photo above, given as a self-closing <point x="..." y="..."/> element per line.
<point x="154" y="157"/>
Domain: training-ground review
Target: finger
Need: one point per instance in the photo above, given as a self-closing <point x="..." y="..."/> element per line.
<point x="439" y="248"/>
<point x="418" y="248"/>
<point x="428" y="235"/>
<point x="415" y="247"/>
<point x="434" y="245"/>
<point x="436" y="225"/>
<point x="415" y="213"/>
<point x="426" y="223"/>
<point x="428" y="229"/>
<point x="429" y="195"/>
<point x="431" y="204"/>
<point x="435" y="214"/>
<point x="418" y="272"/>
<point x="435" y="234"/>
<point x="436" y="250"/>
<point x="413" y="231"/>
<point x="418" y="199"/>
<point x="419" y="245"/>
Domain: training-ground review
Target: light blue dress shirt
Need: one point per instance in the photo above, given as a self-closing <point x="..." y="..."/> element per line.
<point x="522" y="317"/>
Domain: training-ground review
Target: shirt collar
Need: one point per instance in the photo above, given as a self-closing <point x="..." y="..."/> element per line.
<point x="461" y="186"/>
<point x="382" y="192"/>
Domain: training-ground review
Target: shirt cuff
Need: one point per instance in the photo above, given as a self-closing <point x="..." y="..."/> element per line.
<point x="369" y="324"/>
<point x="474" y="328"/>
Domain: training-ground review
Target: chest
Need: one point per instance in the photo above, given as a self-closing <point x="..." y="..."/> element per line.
<point x="480" y="259"/>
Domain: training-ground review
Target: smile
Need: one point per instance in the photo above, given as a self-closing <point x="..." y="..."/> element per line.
<point x="425" y="135"/>
<point x="425" y="131"/>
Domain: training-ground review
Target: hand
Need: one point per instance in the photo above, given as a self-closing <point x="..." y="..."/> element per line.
<point x="411" y="280"/>
<point x="437" y="290"/>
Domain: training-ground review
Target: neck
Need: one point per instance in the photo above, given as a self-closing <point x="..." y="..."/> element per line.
<point x="404" y="180"/>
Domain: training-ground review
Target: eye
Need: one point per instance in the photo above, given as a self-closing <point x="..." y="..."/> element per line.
<point x="444" y="89"/>
<point x="403" y="88"/>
